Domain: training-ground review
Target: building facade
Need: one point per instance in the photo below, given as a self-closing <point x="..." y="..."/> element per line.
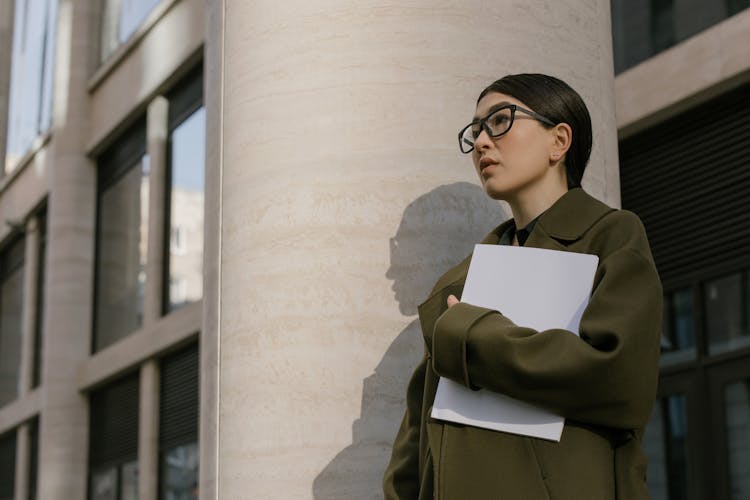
<point x="214" y="235"/>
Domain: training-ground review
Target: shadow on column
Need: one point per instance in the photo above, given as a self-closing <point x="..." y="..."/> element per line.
<point x="437" y="231"/>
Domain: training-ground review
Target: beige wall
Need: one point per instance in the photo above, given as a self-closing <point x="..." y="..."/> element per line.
<point x="335" y="132"/>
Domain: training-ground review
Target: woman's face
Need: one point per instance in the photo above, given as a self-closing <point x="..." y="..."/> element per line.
<point x="514" y="162"/>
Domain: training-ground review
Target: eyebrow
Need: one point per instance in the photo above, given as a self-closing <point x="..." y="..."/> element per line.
<point x="492" y="110"/>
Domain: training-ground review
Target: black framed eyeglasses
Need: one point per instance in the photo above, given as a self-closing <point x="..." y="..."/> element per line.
<point x="497" y="123"/>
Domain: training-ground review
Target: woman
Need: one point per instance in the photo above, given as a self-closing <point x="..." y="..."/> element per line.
<point x="530" y="141"/>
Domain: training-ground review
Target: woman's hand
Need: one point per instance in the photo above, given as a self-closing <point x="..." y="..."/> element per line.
<point x="452" y="301"/>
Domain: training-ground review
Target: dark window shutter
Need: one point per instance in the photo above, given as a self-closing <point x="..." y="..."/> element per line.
<point x="114" y="422"/>
<point x="688" y="178"/>
<point x="178" y="420"/>
<point x="7" y="465"/>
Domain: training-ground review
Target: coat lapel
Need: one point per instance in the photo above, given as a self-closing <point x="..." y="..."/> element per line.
<point x="562" y="224"/>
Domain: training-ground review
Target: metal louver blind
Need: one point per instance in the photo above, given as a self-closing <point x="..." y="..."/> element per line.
<point x="114" y="422"/>
<point x="7" y="465"/>
<point x="688" y="178"/>
<point x="178" y="422"/>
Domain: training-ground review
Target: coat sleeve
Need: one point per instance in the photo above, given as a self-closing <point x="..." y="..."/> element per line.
<point x="606" y="377"/>
<point x="401" y="479"/>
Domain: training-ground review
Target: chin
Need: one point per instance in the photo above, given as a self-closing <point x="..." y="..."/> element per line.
<point x="496" y="192"/>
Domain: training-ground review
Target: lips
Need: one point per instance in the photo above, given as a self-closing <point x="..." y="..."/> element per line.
<point x="486" y="162"/>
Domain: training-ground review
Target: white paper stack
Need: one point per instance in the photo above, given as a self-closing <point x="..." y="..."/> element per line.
<point x="536" y="288"/>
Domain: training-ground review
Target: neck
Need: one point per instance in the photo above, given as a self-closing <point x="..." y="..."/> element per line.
<point x="526" y="206"/>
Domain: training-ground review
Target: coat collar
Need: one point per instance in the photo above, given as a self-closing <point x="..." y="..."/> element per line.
<point x="562" y="223"/>
<point x="567" y="219"/>
<point x="572" y="215"/>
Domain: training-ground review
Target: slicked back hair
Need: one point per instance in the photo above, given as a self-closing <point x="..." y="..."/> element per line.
<point x="556" y="100"/>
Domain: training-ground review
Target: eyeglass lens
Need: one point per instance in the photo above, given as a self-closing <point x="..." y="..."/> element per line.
<point x="497" y="124"/>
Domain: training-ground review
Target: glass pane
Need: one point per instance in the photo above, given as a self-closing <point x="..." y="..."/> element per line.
<point x="666" y="449"/>
<point x="186" y="211"/>
<point x="30" y="92"/>
<point x="678" y="338"/>
<point x="735" y="6"/>
<point x="11" y="298"/>
<point x="724" y="314"/>
<point x="180" y="473"/>
<point x="120" y="267"/>
<point x="737" y="400"/>
<point x="104" y="485"/>
<point x="120" y="19"/>
<point x="129" y="481"/>
<point x="7" y="464"/>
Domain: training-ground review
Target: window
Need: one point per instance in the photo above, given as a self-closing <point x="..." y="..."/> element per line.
<point x="665" y="444"/>
<point x="726" y="319"/>
<point x="33" y="54"/>
<point x="643" y="29"/>
<point x="178" y="425"/>
<point x="11" y="301"/>
<point x="120" y="19"/>
<point x="8" y="461"/>
<point x="122" y="237"/>
<point x="678" y="339"/>
<point x="737" y="411"/>
<point x="177" y="244"/>
<point x="39" y="327"/>
<point x="697" y="439"/>
<point x="113" y="446"/>
<point x="187" y="133"/>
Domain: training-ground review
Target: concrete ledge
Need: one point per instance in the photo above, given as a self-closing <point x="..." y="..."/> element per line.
<point x="169" y="332"/>
<point x="19" y="411"/>
<point x="689" y="73"/>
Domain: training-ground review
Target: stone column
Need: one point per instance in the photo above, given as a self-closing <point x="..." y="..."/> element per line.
<point x="63" y="450"/>
<point x="335" y="179"/>
<point x="23" y="448"/>
<point x="148" y="436"/>
<point x="30" y="291"/>
<point x="6" y="51"/>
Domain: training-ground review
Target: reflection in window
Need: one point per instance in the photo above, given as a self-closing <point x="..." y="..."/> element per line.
<point x="666" y="449"/>
<point x="187" y="142"/>
<point x="120" y="19"/>
<point x="129" y="481"/>
<point x="104" y="485"/>
<point x="180" y="473"/>
<point x="678" y="336"/>
<point x="724" y="313"/>
<point x="121" y="260"/>
<point x="11" y="300"/>
<point x="30" y="96"/>
<point x="737" y="400"/>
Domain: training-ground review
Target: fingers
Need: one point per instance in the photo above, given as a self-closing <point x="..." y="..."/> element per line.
<point x="452" y="301"/>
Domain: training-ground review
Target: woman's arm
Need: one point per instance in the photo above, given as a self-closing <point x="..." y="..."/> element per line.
<point x="607" y="377"/>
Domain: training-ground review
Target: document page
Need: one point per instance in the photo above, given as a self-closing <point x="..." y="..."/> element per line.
<point x="536" y="288"/>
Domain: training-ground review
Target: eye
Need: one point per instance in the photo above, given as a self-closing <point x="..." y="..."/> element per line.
<point x="499" y="119"/>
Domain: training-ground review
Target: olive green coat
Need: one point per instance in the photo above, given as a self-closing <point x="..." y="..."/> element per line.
<point x="603" y="383"/>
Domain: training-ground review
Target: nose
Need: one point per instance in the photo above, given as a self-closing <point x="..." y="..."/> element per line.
<point x="483" y="140"/>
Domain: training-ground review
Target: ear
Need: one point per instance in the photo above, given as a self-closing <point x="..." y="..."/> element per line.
<point x="562" y="136"/>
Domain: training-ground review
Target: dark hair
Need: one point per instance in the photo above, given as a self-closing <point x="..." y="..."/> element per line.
<point x="556" y="100"/>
